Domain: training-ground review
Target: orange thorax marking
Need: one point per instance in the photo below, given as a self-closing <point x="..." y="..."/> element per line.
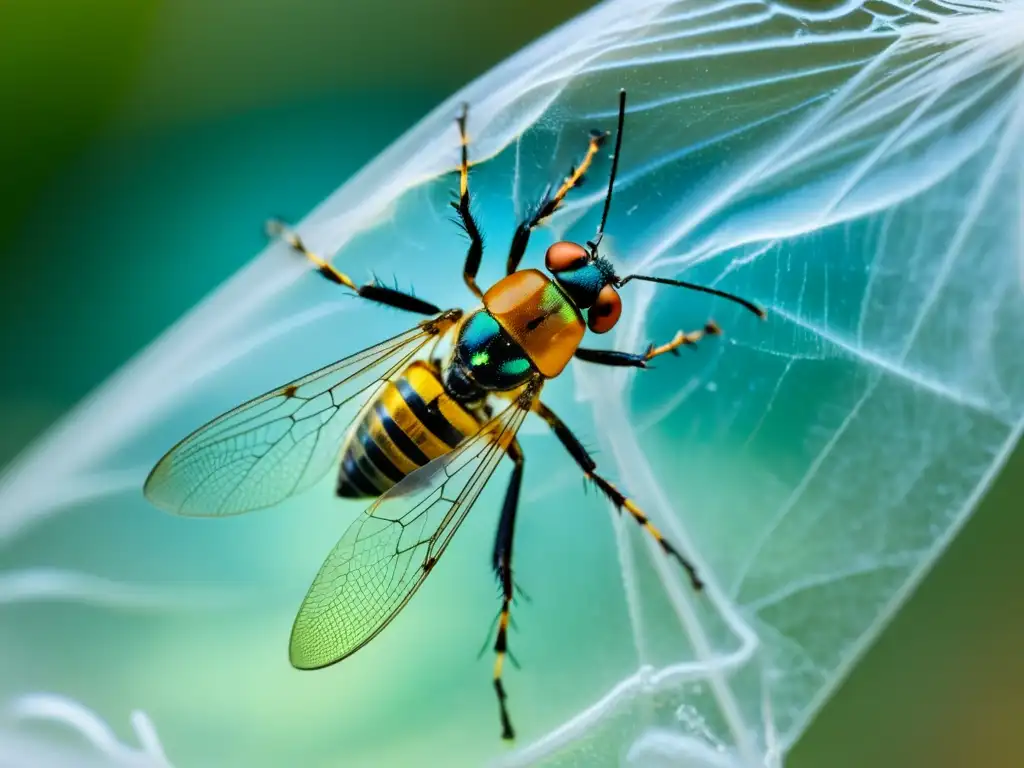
<point x="537" y="314"/>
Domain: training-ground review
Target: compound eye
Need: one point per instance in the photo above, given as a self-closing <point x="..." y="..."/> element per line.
<point x="564" y="256"/>
<point x="605" y="313"/>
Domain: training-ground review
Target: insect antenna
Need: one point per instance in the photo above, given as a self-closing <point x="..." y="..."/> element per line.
<point x="694" y="287"/>
<point x="611" y="177"/>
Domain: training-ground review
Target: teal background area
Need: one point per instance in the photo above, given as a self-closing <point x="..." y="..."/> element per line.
<point x="138" y="177"/>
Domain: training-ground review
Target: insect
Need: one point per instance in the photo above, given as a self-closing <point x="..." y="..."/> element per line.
<point x="418" y="434"/>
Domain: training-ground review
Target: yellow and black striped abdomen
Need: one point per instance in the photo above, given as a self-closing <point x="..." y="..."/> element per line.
<point x="412" y="421"/>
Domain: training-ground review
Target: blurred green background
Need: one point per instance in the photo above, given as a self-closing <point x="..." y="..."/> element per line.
<point x="105" y="95"/>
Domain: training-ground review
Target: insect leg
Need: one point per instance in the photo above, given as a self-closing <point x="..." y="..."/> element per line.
<point x="372" y="291"/>
<point x="475" y="252"/>
<point x="622" y="502"/>
<point x="635" y="360"/>
<point x="502" y="562"/>
<point x="549" y="203"/>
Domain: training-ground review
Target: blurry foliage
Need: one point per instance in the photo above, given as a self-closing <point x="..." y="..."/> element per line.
<point x="67" y="67"/>
<point x="206" y="59"/>
<point x="64" y="66"/>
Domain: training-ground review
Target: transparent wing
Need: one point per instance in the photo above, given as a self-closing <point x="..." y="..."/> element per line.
<point x="386" y="554"/>
<point x="280" y="443"/>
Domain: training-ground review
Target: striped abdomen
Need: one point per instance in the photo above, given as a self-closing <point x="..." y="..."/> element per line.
<point x="412" y="421"/>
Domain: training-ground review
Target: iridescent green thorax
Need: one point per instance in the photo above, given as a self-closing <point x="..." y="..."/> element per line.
<point x="492" y="359"/>
<point x="556" y="301"/>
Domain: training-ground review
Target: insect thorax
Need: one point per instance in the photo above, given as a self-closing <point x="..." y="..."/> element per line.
<point x="539" y="317"/>
<point x="485" y="359"/>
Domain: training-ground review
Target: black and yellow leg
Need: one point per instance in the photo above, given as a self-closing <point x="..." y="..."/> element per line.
<point x="549" y="203"/>
<point x="475" y="252"/>
<point x="621" y="501"/>
<point x="631" y="359"/>
<point x="372" y="291"/>
<point x="502" y="563"/>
